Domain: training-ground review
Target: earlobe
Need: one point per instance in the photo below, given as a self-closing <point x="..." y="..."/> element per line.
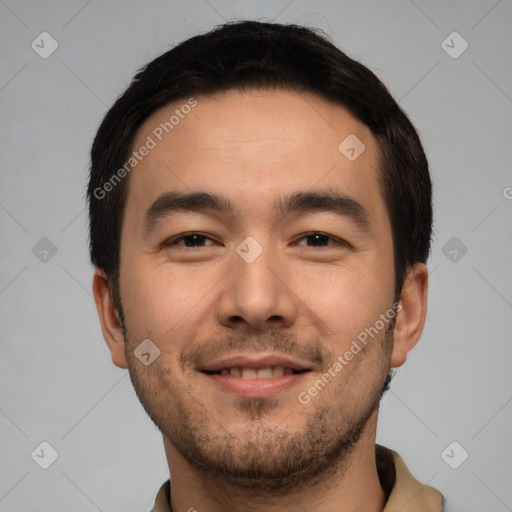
<point x="411" y="317"/>
<point x="109" y="319"/>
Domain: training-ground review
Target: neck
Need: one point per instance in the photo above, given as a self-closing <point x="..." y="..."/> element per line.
<point x="351" y="486"/>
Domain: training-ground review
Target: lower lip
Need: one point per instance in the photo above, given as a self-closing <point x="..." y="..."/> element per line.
<point x="256" y="388"/>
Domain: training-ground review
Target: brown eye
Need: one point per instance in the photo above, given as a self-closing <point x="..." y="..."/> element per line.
<point x="320" y="240"/>
<point x="191" y="240"/>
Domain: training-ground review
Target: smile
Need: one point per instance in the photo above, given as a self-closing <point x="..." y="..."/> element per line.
<point x="268" y="372"/>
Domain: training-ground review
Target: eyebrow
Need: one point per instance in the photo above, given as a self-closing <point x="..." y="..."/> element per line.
<point x="298" y="202"/>
<point x="325" y="201"/>
<point x="171" y="202"/>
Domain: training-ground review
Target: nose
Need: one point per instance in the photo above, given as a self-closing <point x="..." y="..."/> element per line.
<point x="256" y="295"/>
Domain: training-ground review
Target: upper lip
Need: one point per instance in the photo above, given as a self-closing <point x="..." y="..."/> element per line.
<point x="255" y="361"/>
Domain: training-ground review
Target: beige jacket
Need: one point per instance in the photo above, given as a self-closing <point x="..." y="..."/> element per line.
<point x="407" y="494"/>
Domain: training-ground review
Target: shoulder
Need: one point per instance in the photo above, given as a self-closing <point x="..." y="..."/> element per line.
<point x="408" y="494"/>
<point x="162" y="500"/>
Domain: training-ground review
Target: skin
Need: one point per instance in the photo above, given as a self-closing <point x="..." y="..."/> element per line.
<point x="306" y="301"/>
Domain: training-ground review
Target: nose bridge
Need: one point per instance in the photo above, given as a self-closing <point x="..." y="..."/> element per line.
<point x="253" y="278"/>
<point x="254" y="293"/>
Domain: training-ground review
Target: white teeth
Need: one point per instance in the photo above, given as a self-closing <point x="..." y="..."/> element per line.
<point x="248" y="373"/>
<point x="251" y="373"/>
<point x="277" y="371"/>
<point x="235" y="371"/>
<point x="265" y="373"/>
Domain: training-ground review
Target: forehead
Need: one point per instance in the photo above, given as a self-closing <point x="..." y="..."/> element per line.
<point x="253" y="145"/>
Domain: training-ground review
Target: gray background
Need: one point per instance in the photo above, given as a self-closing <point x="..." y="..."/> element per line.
<point x="57" y="382"/>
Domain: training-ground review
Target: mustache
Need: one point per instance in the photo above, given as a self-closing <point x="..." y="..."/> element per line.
<point x="272" y="341"/>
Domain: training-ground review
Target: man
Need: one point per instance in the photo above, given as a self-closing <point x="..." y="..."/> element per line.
<point x="260" y="215"/>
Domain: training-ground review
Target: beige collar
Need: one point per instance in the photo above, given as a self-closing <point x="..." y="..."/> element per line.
<point x="410" y="495"/>
<point x="407" y="495"/>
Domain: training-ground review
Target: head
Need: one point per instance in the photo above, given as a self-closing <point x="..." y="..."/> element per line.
<point x="245" y="233"/>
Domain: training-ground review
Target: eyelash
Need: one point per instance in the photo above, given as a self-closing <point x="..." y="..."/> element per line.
<point x="173" y="241"/>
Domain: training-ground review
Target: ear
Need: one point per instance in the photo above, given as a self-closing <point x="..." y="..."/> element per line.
<point x="109" y="319"/>
<point x="411" y="316"/>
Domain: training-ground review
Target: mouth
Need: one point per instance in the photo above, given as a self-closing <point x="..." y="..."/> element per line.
<point x="255" y="377"/>
<point x="269" y="372"/>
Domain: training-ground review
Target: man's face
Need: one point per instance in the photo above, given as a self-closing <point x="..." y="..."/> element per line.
<point x="190" y="282"/>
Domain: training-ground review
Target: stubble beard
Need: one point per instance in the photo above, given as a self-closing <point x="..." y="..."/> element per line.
<point x="264" y="458"/>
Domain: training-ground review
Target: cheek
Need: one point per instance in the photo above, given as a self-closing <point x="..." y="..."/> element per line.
<point x="347" y="300"/>
<point x="159" y="301"/>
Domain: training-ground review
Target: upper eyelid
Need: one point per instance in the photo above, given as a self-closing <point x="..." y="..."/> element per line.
<point x="334" y="238"/>
<point x="186" y="235"/>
